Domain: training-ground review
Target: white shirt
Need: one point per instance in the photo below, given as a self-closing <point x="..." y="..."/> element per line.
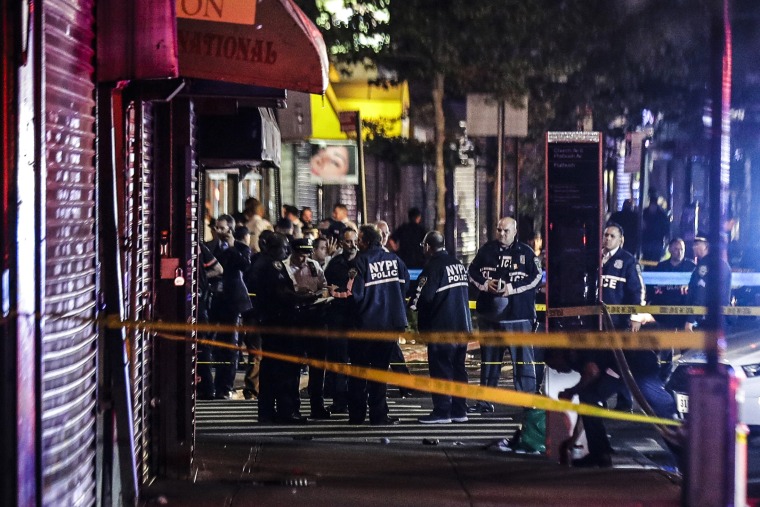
<point x="302" y="276"/>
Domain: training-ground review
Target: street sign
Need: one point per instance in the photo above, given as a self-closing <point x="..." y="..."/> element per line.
<point x="348" y="121"/>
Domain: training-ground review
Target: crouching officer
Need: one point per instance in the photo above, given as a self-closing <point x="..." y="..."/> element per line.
<point x="442" y="305"/>
<point x="279" y="399"/>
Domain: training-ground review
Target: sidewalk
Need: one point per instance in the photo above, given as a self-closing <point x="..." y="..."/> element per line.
<point x="293" y="473"/>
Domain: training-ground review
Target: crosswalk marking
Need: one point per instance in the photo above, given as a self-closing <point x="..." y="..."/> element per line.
<point x="237" y="419"/>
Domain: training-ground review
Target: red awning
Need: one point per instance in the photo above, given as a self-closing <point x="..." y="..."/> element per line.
<point x="268" y="43"/>
<point x="281" y="49"/>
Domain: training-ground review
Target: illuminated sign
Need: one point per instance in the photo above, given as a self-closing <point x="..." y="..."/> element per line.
<point x="241" y="12"/>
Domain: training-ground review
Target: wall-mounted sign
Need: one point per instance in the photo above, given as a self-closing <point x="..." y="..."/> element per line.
<point x="241" y="12"/>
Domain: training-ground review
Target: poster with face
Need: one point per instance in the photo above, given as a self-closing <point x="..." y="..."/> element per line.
<point x="334" y="163"/>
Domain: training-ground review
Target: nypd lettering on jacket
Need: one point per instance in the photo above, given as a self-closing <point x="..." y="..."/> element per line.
<point x="621" y="280"/>
<point x="455" y="274"/>
<point x="383" y="271"/>
<point x="442" y="297"/>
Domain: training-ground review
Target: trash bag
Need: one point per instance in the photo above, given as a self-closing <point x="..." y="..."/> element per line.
<point x="532" y="436"/>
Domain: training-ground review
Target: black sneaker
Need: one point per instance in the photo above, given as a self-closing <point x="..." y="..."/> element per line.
<point x="385" y="421"/>
<point x="481" y="407"/>
<point x="319" y="413"/>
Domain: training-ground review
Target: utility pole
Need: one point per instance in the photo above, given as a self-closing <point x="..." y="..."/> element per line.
<point x="714" y="475"/>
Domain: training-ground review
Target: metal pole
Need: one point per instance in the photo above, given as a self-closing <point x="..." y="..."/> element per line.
<point x="499" y="180"/>
<point x="362" y="175"/>
<point x="712" y="475"/>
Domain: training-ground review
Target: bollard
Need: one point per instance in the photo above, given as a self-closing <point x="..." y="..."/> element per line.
<point x="711" y="460"/>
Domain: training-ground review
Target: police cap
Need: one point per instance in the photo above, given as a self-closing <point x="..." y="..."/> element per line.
<point x="302" y="245"/>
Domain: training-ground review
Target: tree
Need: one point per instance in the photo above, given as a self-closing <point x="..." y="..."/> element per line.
<point x="607" y="56"/>
<point x="457" y="45"/>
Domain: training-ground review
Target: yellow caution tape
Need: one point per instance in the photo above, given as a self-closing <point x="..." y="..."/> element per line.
<point x="578" y="340"/>
<point x="458" y="389"/>
<point x="742" y="311"/>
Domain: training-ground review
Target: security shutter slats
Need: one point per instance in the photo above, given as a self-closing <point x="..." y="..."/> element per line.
<point x="69" y="338"/>
<point x="139" y="273"/>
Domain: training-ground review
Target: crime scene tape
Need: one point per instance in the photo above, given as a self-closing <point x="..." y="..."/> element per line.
<point x="458" y="389"/>
<point x="581" y="340"/>
<point x="576" y="311"/>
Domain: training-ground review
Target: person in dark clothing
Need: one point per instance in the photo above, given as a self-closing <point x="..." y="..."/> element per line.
<point x="377" y="287"/>
<point x="629" y="221"/>
<point x="702" y="279"/>
<point x="230" y="299"/>
<point x="672" y="294"/>
<point x="655" y="229"/>
<point x="278" y="301"/>
<point x="252" y="340"/>
<point x="621" y="285"/>
<point x="507" y="274"/>
<point x="209" y="268"/>
<point x="601" y="379"/>
<point x="621" y="277"/>
<point x="341" y="317"/>
<point x="406" y="240"/>
<point x="442" y="304"/>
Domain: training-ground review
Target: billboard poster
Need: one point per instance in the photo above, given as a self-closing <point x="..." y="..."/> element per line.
<point x="334" y="163"/>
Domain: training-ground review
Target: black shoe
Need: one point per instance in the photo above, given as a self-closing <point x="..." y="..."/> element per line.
<point x="406" y="393"/>
<point x="355" y="421"/>
<point x="248" y="394"/>
<point x="224" y="395"/>
<point x="338" y="409"/>
<point x="385" y="421"/>
<point x="319" y="413"/>
<point x="593" y="461"/>
<point x="205" y="396"/>
<point x="291" y="419"/>
<point x="481" y="407"/>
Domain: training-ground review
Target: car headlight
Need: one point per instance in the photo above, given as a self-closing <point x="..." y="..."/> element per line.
<point x="751" y="370"/>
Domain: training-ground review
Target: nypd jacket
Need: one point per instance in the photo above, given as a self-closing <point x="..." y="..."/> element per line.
<point x="441" y="299"/>
<point x="343" y="311"/>
<point x="276" y="298"/>
<point x="378" y="289"/>
<point x="622" y="284"/>
<point x="520" y="270"/>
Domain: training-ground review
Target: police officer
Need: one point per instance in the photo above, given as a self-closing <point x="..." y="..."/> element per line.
<point x="507" y="273"/>
<point x="622" y="285"/>
<point x="442" y="304"/>
<point x="308" y="278"/>
<point x="621" y="277"/>
<point x="702" y="276"/>
<point x="277" y="302"/>
<point x="342" y="316"/>
<point x="672" y="294"/>
<point x="378" y="288"/>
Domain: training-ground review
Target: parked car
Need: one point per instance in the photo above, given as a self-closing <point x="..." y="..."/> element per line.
<point x="743" y="356"/>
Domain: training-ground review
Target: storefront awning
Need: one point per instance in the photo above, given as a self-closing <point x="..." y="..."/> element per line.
<point x="267" y="43"/>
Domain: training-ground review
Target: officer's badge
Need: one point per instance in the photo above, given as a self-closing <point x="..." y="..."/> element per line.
<point x="277" y="265"/>
<point x="421" y="281"/>
<point x="618" y="264"/>
<point x="352" y="273"/>
<point x="538" y="263"/>
<point x="522" y="259"/>
<point x="702" y="271"/>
